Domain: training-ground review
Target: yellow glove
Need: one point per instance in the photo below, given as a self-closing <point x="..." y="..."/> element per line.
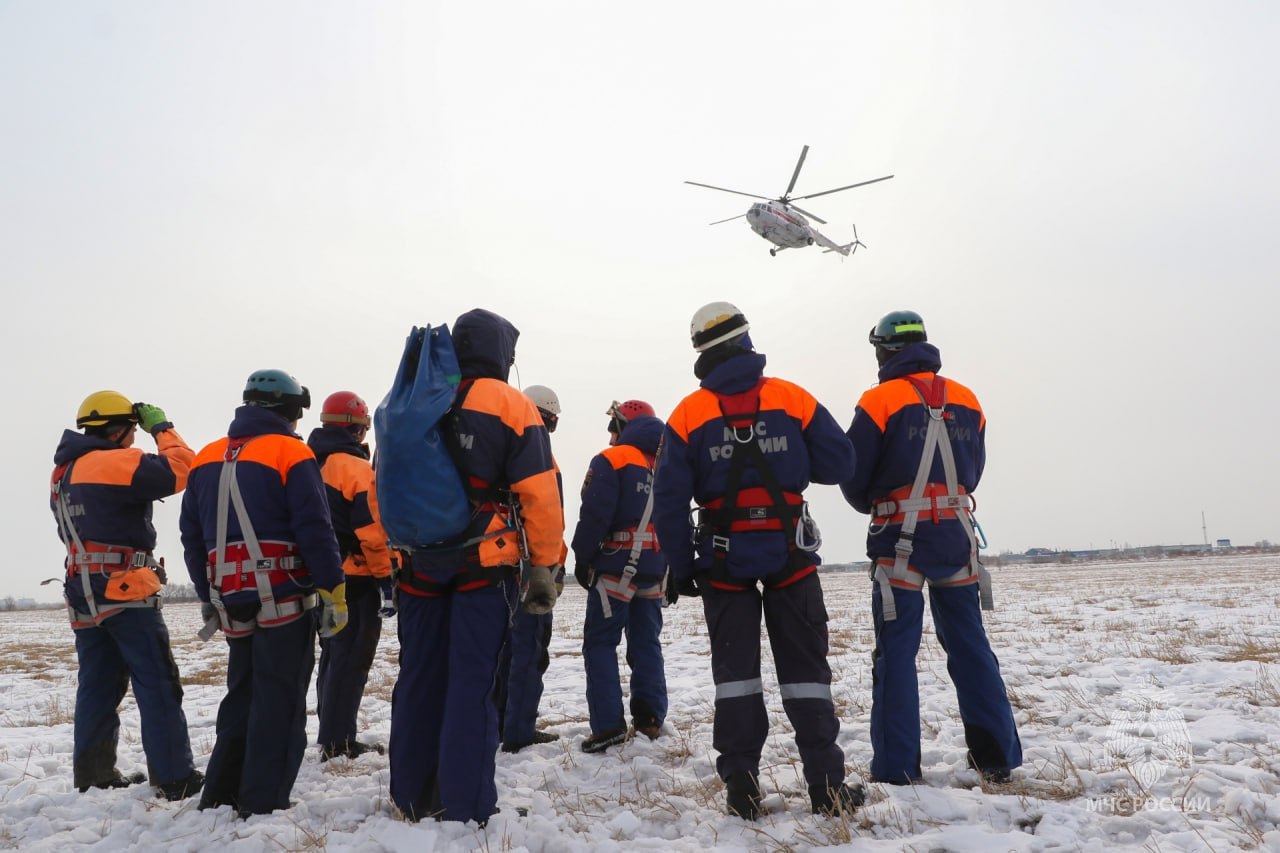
<point x="333" y="610"/>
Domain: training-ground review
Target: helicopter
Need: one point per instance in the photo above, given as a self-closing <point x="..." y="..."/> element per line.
<point x="783" y="223"/>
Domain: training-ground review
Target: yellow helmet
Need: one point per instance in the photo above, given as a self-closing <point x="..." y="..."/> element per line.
<point x="105" y="407"/>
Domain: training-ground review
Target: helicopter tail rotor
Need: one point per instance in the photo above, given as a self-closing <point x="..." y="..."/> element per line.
<point x="853" y="247"/>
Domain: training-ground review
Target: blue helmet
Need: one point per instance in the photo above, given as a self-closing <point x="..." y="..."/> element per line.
<point x="275" y="389"/>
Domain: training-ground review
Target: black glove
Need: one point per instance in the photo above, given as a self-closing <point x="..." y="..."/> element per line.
<point x="686" y="587"/>
<point x="207" y="611"/>
<point x="583" y="575"/>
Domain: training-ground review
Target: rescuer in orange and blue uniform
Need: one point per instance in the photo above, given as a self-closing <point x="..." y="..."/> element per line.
<point x="456" y="603"/>
<point x="889" y="432"/>
<point x="262" y="554"/>
<point x="745" y="447"/>
<point x="619" y="563"/>
<point x="101" y="493"/>
<point x="526" y="657"/>
<point x="345" y="659"/>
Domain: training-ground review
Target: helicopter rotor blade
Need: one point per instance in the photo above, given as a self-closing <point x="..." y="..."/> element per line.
<point x="803" y="152"/>
<point x="730" y="219"/>
<point x="723" y="190"/>
<point x="842" y="189"/>
<point x="815" y="217"/>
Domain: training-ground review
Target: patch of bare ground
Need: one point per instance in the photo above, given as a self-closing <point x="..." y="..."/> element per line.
<point x="215" y="674"/>
<point x="38" y="660"/>
<point x="1240" y="648"/>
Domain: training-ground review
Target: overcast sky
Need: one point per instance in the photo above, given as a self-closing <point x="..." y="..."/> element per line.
<point x="1084" y="210"/>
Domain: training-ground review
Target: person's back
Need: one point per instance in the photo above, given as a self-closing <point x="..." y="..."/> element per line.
<point x="920" y="440"/>
<point x="345" y="659"/>
<point x="776" y="419"/>
<point x="101" y="494"/>
<point x="261" y="552"/>
<point x="456" y="599"/>
<point x="890" y="436"/>
<point x="745" y="448"/>
<point x="614" y="499"/>
<point x="620" y="562"/>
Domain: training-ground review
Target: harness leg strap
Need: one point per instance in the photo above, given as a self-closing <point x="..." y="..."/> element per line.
<point x="888" y="610"/>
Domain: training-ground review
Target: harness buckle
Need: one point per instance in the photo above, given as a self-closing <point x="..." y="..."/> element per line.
<point x="719" y="543"/>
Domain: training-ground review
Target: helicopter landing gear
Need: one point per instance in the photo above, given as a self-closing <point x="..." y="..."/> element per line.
<point x="773" y="253"/>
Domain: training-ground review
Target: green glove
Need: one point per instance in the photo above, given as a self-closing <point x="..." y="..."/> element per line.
<point x="149" y="416"/>
<point x="333" y="610"/>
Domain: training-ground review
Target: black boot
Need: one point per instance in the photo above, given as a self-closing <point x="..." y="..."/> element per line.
<point x="350" y="749"/>
<point x="742" y="794"/>
<point x="182" y="788"/>
<point x="538" y="737"/>
<point x="116" y="781"/>
<point x="604" y="740"/>
<point x="840" y="799"/>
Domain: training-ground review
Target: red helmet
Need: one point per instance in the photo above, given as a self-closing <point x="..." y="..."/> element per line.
<point x="345" y="407"/>
<point x="625" y="412"/>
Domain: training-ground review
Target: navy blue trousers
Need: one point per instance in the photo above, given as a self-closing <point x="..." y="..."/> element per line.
<point x="796" y="618"/>
<point x="131" y="646"/>
<point x="989" y="729"/>
<point x="345" y="660"/>
<point x="262" y="720"/>
<point x="641" y="620"/>
<point x="444" y="723"/>
<point x="519" y="690"/>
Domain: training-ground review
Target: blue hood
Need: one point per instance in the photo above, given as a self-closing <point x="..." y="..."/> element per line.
<point x="485" y="343"/>
<point x="73" y="445"/>
<point x="913" y="358"/>
<point x="335" y="438"/>
<point x="255" y="420"/>
<point x="643" y="433"/>
<point x="736" y="374"/>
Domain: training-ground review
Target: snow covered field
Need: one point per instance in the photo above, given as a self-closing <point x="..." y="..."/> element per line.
<point x="1147" y="695"/>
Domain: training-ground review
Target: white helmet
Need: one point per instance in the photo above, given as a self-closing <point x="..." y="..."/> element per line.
<point x="715" y="323"/>
<point x="544" y="398"/>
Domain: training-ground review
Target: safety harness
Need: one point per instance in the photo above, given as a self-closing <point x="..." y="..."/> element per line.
<point x="936" y="501"/>
<point x="641" y="537"/>
<point x="250" y="563"/>
<point x="87" y="558"/>
<point x="759" y="508"/>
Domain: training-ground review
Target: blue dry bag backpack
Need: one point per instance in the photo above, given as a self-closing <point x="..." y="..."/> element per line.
<point x="421" y="498"/>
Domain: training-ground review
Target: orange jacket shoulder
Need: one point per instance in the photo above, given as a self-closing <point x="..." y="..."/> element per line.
<point x="694" y="411"/>
<point x="280" y="452"/>
<point x="107" y="467"/>
<point x="348" y="474"/>
<point x="790" y="398"/>
<point x="620" y="456"/>
<point x="501" y="400"/>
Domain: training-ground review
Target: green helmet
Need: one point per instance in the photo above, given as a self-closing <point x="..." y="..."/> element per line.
<point x="897" y="329"/>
